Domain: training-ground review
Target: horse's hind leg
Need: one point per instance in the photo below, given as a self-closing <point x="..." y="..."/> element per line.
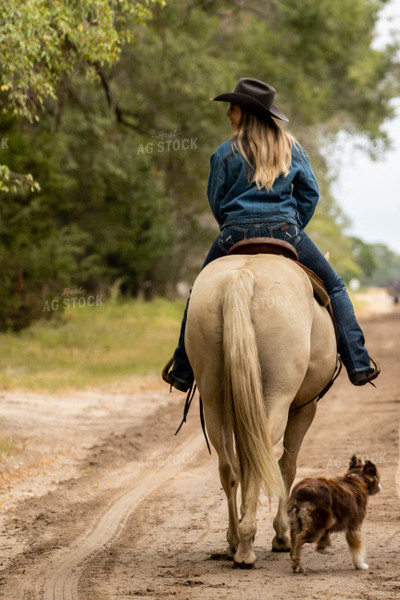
<point x="245" y="556"/>
<point x="298" y="423"/>
<point x="230" y="481"/>
<point x="223" y="444"/>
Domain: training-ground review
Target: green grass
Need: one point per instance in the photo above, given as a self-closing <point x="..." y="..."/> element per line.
<point x="91" y="346"/>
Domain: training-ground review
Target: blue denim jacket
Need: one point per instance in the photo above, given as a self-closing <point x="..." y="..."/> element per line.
<point x="293" y="198"/>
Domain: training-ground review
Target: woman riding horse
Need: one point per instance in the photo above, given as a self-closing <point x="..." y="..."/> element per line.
<point x="261" y="184"/>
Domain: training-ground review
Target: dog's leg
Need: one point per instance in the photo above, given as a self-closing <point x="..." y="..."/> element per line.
<point x="294" y="531"/>
<point x="353" y="537"/>
<point x="324" y="543"/>
<point x="300" y="539"/>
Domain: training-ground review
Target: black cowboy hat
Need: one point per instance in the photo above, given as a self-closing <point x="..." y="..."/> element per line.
<point x="255" y="95"/>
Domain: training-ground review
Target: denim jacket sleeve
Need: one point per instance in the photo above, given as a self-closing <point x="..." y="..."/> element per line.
<point x="216" y="187"/>
<point x="305" y="189"/>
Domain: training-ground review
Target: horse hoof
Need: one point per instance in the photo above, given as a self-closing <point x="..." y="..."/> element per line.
<point x="280" y="545"/>
<point x="242" y="565"/>
<point x="282" y="549"/>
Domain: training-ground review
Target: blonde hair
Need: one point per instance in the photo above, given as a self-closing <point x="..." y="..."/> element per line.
<point x="266" y="148"/>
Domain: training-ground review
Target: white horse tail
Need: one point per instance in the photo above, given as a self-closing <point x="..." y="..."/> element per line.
<point x="244" y="404"/>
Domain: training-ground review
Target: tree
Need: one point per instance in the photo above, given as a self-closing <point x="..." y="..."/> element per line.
<point x="41" y="41"/>
<point x="387" y="266"/>
<point x="364" y="257"/>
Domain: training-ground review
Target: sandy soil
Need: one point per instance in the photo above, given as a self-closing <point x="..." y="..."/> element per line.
<point x="100" y="501"/>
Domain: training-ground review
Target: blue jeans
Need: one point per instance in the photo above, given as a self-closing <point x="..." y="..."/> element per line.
<point x="351" y="341"/>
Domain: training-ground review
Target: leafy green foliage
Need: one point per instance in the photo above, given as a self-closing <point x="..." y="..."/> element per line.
<point x="42" y="41"/>
<point x="387" y="266"/>
<point x="364" y="257"/>
<point x="102" y="216"/>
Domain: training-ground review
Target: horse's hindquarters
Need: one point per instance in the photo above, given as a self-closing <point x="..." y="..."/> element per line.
<point x="282" y="313"/>
<point x="295" y="335"/>
<point x="323" y="355"/>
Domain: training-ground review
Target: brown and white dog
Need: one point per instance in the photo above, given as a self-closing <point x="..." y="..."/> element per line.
<point x="318" y="507"/>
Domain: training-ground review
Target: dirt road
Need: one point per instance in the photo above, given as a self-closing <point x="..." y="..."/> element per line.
<point x="100" y="501"/>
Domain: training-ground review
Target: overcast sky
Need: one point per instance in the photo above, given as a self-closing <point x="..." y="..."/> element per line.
<point x="367" y="190"/>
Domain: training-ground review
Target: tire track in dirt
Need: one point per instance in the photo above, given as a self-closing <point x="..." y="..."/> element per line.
<point x="64" y="570"/>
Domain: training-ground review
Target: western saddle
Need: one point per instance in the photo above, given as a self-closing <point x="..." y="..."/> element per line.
<point x="266" y="245"/>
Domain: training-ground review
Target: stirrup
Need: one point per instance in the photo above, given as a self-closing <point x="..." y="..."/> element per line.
<point x="165" y="372"/>
<point x="377" y="370"/>
<point x="170" y="379"/>
<point x="367" y="376"/>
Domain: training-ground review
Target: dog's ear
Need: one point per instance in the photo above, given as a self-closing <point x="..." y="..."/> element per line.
<point x="354" y="462"/>
<point x="369" y="468"/>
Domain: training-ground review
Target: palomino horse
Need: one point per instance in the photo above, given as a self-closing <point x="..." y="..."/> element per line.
<point x="260" y="345"/>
